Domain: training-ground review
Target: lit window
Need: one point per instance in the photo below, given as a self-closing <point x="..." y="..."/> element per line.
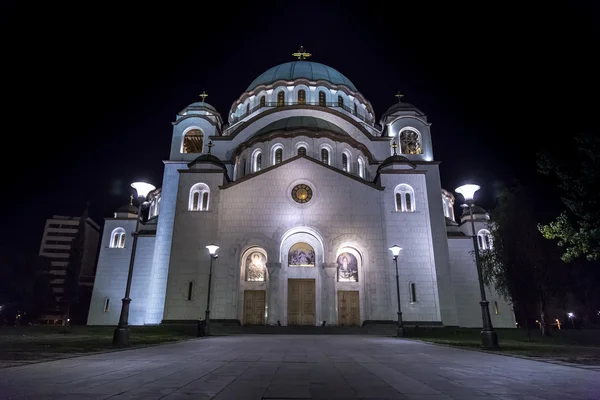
<point x="199" y="197"/>
<point x="484" y="238"/>
<point x="340" y="101"/>
<point x="301" y="96"/>
<point x="280" y="99"/>
<point x="192" y="141"/>
<point x="325" y="156"/>
<point x="410" y="142"/>
<point x="117" y="238"/>
<point x="263" y="101"/>
<point x="322" y="99"/>
<point x="344" y="162"/>
<point x="405" y="198"/>
<point x="278" y="155"/>
<point x="301" y="151"/>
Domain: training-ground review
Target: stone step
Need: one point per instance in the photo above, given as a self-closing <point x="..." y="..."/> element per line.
<point x="229" y="329"/>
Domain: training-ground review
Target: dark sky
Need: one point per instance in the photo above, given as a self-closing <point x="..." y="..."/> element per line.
<point x="90" y="94"/>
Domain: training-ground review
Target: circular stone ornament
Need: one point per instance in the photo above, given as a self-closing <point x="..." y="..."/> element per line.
<point x="302" y="193"/>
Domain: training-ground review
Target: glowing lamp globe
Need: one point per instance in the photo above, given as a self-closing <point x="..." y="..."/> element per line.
<point x="212" y="249"/>
<point x="395" y="249"/>
<point x="468" y="191"/>
<point x="142" y="188"/>
<point x="571" y="315"/>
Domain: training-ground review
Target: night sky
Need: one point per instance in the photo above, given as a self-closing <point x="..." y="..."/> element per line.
<point x="90" y="94"/>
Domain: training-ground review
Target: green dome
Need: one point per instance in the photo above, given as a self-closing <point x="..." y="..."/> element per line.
<point x="312" y="71"/>
<point x="292" y="123"/>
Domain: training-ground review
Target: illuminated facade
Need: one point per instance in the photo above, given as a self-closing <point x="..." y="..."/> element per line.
<point x="304" y="191"/>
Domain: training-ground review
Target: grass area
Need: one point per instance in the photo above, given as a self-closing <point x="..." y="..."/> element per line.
<point x="576" y="346"/>
<point x="48" y="342"/>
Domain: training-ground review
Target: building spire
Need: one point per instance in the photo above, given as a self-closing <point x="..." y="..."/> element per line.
<point x="399" y="96"/>
<point x="301" y="54"/>
<point x="203" y="95"/>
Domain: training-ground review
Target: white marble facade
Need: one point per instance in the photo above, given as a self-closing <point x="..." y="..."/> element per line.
<point x="311" y="168"/>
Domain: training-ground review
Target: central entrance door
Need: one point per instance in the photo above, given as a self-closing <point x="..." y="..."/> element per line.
<point x="254" y="307"/>
<point x="348" y="308"/>
<point x="301" y="302"/>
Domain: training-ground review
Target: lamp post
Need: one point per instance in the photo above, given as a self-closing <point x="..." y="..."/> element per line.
<point x="489" y="338"/>
<point x="121" y="334"/>
<point x="395" y="249"/>
<point x="571" y="317"/>
<point x="212" y="250"/>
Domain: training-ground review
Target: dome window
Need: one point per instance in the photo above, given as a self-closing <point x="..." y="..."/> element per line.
<point x="278" y="155"/>
<point x="301" y="96"/>
<point x="322" y="99"/>
<point x="325" y="156"/>
<point x="340" y="101"/>
<point x="301" y="151"/>
<point x="263" y="101"/>
<point x="280" y="99"/>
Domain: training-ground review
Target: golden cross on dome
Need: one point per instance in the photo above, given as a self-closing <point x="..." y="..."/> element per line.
<point x="301" y="54"/>
<point x="394" y="146"/>
<point x="399" y="96"/>
<point x="209" y="145"/>
<point x="203" y="95"/>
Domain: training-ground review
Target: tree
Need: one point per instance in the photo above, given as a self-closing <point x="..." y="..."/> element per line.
<point x="577" y="229"/>
<point x="521" y="265"/>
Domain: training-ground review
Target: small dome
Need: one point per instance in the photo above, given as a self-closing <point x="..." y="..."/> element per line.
<point x="292" y="123"/>
<point x="128" y="208"/>
<point x="394" y="159"/>
<point x="201" y="104"/>
<point x="400" y="107"/>
<point x="207" y="158"/>
<point x="199" y="107"/>
<point x="312" y="71"/>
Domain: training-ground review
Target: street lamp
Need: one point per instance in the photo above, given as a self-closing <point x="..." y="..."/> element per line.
<point x="489" y="338"/>
<point x="571" y="317"/>
<point x="121" y="334"/>
<point x="395" y="249"/>
<point x="212" y="250"/>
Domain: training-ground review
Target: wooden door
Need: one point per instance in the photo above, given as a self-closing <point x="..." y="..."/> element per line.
<point x="301" y="302"/>
<point x="254" y="307"/>
<point x="348" y="308"/>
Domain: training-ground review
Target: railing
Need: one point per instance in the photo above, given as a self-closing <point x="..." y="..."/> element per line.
<point x="349" y="110"/>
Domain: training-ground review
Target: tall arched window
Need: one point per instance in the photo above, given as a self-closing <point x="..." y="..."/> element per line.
<point x="407" y="198"/>
<point x="281" y="99"/>
<point x="192" y="141"/>
<point x="199" y="197"/>
<point x="361" y="167"/>
<point x="344" y="162"/>
<point x="257" y="161"/>
<point x="301" y="96"/>
<point x="325" y="156"/>
<point x="301" y="151"/>
<point x="410" y="142"/>
<point x="278" y="155"/>
<point x="117" y="238"/>
<point x="484" y="238"/>
<point x="340" y="101"/>
<point x="263" y="101"/>
<point x="322" y="99"/>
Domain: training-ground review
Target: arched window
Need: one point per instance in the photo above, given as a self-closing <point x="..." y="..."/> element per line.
<point x="340" y="101"/>
<point x="484" y="238"/>
<point x="361" y="167"/>
<point x="257" y="161"/>
<point x="117" y="238"/>
<point x="199" y="197"/>
<point x="355" y="109"/>
<point x="346" y="162"/>
<point x="263" y="101"/>
<point x="410" y="142"/>
<point x="243" y="166"/>
<point x="325" y="156"/>
<point x="255" y="267"/>
<point x="407" y="198"/>
<point x="322" y="99"/>
<point x="301" y="151"/>
<point x="281" y="99"/>
<point x="247" y="108"/>
<point x="192" y="141"/>
<point x="278" y="155"/>
<point x="301" y="96"/>
<point x="412" y="292"/>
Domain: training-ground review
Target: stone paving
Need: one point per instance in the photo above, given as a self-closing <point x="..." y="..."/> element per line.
<point x="297" y="367"/>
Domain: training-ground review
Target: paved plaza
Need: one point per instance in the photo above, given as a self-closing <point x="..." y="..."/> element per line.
<point x="297" y="367"/>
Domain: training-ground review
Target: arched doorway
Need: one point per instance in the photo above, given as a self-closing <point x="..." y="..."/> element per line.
<point x="253" y="286"/>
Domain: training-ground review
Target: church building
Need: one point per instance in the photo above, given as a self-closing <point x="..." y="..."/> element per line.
<point x="304" y="191"/>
